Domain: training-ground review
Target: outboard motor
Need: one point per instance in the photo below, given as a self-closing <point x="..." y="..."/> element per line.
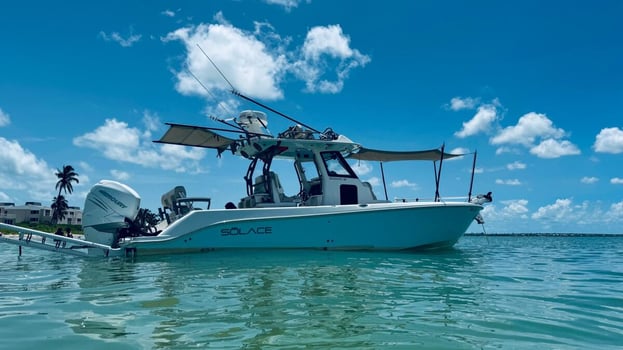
<point x="107" y="206"/>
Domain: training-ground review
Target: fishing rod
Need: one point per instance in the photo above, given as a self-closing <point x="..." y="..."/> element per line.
<point x="239" y="94"/>
<point x="235" y="126"/>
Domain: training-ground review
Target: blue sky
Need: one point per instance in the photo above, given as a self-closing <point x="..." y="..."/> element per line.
<point x="536" y="88"/>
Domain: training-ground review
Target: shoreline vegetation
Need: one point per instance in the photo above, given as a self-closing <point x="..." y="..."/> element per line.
<point x="48" y="228"/>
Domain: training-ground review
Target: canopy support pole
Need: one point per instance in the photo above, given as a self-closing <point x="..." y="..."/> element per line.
<point x="438" y="177"/>
<point x="383" y="177"/>
<point x="471" y="182"/>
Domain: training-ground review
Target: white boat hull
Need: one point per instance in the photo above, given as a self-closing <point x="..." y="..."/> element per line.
<point x="381" y="226"/>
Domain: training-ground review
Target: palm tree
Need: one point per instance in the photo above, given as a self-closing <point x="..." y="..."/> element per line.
<point x="65" y="178"/>
<point x="59" y="204"/>
<point x="59" y="208"/>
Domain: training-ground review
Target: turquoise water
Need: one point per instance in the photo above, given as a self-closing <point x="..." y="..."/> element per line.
<point x="487" y="293"/>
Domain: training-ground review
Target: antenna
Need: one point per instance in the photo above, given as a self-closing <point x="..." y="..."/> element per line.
<point x="237" y="93"/>
<point x="214" y="97"/>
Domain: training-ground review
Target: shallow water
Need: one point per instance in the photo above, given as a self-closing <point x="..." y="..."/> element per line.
<point x="486" y="293"/>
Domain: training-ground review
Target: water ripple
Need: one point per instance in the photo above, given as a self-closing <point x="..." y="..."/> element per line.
<point x="519" y="293"/>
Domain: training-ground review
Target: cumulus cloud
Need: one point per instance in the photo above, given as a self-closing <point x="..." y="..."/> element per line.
<point x="374" y="181"/>
<point x="116" y="37"/>
<point x="403" y="183"/>
<point x="4" y="118"/>
<point x="538" y="133"/>
<point x="509" y="182"/>
<point x="561" y="216"/>
<point x="246" y="62"/>
<point x="589" y="180"/>
<point x="615" y="213"/>
<point x="516" y="207"/>
<point x="460" y="103"/>
<point x="288" y="5"/>
<point x="616" y="181"/>
<point x="118" y="141"/>
<point x="480" y="122"/>
<point x="529" y="127"/>
<point x="168" y="13"/>
<point x="322" y="45"/>
<point x="119" y="175"/>
<point x="361" y="168"/>
<point x="558" y="211"/>
<point x="257" y="62"/>
<point x="511" y="209"/>
<point x="551" y="148"/>
<point x="609" y="140"/>
<point x="21" y="170"/>
<point x="516" y="165"/>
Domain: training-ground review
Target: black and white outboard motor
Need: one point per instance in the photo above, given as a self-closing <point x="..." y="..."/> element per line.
<point x="106" y="208"/>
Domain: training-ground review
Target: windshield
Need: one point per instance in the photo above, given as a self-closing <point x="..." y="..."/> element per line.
<point x="336" y="165"/>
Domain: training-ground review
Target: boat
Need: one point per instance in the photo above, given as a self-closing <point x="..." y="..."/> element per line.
<point x="333" y="210"/>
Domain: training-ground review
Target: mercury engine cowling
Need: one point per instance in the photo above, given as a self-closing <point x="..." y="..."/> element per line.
<point x="107" y="206"/>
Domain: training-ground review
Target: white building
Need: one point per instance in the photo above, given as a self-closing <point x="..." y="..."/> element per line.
<point x="34" y="213"/>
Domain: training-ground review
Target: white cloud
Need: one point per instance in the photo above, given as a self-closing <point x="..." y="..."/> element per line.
<point x="244" y="60"/>
<point x="119" y="175"/>
<point x="512" y="209"/>
<point x="116" y="37"/>
<point x="509" y="182"/>
<point x="5" y="119"/>
<point x="480" y="122"/>
<point x="459" y="103"/>
<point x="257" y="62"/>
<point x="551" y="148"/>
<point x="561" y="210"/>
<point x="361" y="168"/>
<point x="21" y="170"/>
<point x="402" y="183"/>
<point x="516" y="165"/>
<point x="615" y="213"/>
<point x="374" y="181"/>
<point x="288" y="5"/>
<point x="502" y="150"/>
<point x="323" y="44"/>
<point x="327" y="40"/>
<point x="116" y="140"/>
<point x="616" y="181"/>
<point x="528" y="128"/>
<point x="151" y="122"/>
<point x="168" y="13"/>
<point x="516" y="207"/>
<point x="609" y="140"/>
<point x="460" y="150"/>
<point x="4" y="197"/>
<point x="532" y="128"/>
<point x="589" y="180"/>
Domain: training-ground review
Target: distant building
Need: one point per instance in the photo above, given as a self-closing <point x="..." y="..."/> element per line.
<point x="35" y="213"/>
